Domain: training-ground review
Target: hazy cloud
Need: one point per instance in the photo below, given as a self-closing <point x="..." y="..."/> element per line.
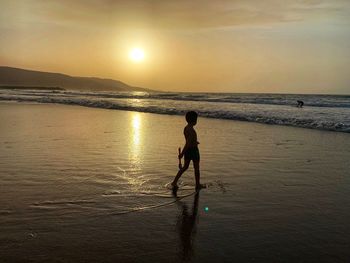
<point x="164" y="14"/>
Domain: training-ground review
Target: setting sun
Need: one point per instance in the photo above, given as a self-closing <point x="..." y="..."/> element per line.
<point x="137" y="55"/>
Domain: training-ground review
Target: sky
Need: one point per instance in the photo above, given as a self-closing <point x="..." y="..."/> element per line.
<point x="278" y="46"/>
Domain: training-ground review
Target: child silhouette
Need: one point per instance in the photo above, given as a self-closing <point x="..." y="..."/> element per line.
<point x="190" y="151"/>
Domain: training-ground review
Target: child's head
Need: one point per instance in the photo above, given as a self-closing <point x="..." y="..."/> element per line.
<point x="191" y="117"/>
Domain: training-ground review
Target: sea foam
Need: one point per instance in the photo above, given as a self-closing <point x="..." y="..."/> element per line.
<point x="323" y="112"/>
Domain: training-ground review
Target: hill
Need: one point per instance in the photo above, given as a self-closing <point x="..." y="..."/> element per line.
<point x="29" y="78"/>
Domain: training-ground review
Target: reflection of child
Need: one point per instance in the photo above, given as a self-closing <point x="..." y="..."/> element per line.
<point x="190" y="151"/>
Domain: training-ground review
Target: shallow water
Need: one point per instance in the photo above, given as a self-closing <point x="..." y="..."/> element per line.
<point x="81" y="184"/>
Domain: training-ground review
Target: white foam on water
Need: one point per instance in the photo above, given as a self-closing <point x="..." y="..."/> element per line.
<point x="322" y="112"/>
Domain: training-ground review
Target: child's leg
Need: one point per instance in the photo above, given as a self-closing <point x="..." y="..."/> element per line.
<point x="196" y="173"/>
<point x="181" y="171"/>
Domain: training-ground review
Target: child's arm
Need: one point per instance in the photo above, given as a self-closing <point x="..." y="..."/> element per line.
<point x="184" y="149"/>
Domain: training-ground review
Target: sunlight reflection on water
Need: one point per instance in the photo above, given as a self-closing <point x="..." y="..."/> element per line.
<point x="135" y="177"/>
<point x="135" y="135"/>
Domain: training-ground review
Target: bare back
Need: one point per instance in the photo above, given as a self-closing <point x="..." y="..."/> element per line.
<point x="190" y="136"/>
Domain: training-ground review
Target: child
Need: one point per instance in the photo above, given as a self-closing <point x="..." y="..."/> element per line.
<point x="190" y="151"/>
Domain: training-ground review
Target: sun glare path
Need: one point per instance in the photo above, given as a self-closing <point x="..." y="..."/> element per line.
<point x="136" y="125"/>
<point x="135" y="138"/>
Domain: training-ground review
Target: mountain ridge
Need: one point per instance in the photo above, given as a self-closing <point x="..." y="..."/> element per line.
<point x="11" y="76"/>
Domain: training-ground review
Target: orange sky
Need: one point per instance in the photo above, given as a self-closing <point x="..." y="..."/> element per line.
<point x="225" y="46"/>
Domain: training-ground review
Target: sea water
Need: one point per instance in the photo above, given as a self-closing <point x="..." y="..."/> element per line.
<point x="324" y="112"/>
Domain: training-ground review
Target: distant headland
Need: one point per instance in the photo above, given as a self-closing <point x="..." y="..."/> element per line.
<point x="16" y="78"/>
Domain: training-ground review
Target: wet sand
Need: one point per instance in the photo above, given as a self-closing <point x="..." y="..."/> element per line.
<point x="89" y="185"/>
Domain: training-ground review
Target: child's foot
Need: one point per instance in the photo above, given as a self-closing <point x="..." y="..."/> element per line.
<point x="200" y="186"/>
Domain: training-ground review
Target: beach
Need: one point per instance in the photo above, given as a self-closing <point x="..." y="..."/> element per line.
<point x="81" y="184"/>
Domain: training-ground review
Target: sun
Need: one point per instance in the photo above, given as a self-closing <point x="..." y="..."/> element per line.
<point x="137" y="54"/>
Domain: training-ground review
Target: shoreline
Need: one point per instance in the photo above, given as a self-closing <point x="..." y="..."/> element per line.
<point x="5" y="87"/>
<point x="152" y="111"/>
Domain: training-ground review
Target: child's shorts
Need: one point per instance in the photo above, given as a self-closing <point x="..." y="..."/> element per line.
<point x="192" y="154"/>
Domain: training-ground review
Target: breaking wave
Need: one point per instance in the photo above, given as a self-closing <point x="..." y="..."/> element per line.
<point x="323" y="112"/>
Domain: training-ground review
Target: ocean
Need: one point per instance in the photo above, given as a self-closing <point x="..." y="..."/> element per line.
<point x="323" y="112"/>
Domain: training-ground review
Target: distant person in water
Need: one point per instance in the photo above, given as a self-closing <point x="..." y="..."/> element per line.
<point x="190" y="151"/>
<point x="300" y="103"/>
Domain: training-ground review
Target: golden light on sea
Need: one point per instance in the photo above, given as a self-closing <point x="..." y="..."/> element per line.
<point x="136" y="125"/>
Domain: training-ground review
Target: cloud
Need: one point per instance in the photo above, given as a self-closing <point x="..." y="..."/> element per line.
<point x="182" y="14"/>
